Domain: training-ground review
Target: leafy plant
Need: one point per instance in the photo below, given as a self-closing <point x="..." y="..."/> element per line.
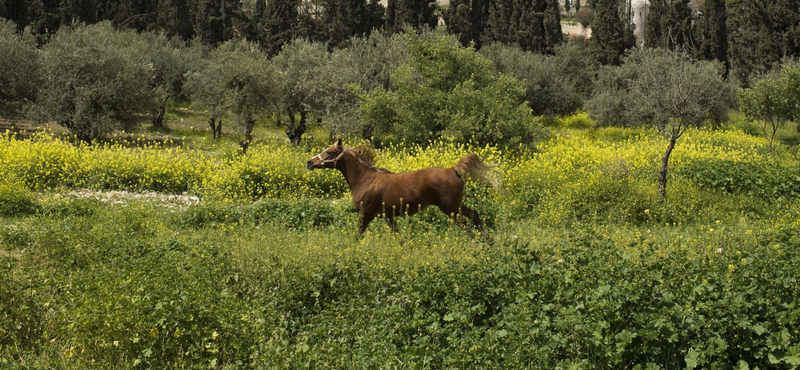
<point x="97" y="80"/>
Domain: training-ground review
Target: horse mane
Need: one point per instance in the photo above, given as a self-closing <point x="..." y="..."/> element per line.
<point x="366" y="155"/>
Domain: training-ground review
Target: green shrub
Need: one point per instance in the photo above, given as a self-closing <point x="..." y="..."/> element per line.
<point x="97" y="79"/>
<point x="16" y="199"/>
<point x="71" y="207"/>
<point x="295" y="214"/>
<point x="447" y="91"/>
<point x="20" y="74"/>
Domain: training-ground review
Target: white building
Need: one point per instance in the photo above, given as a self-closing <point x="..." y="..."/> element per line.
<point x="639" y="9"/>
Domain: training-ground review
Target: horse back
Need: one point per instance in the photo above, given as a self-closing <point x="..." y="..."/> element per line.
<point x="413" y="191"/>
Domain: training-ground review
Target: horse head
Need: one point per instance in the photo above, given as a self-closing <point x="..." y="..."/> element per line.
<point x="328" y="157"/>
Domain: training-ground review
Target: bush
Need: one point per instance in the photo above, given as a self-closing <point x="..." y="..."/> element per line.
<point x="554" y="84"/>
<point x="15" y="199"/>
<point x="19" y="68"/>
<point x="293" y="214"/>
<point x="584" y="17"/>
<point x="97" y="80"/>
<point x="448" y="91"/>
<point x="271" y="172"/>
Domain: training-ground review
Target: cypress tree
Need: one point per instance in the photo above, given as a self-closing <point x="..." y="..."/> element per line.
<point x="785" y="24"/>
<point x="669" y="25"/>
<point x="534" y="25"/>
<point x="213" y="21"/>
<point x="467" y="19"/>
<point x="711" y="33"/>
<point x="173" y="19"/>
<point x="343" y="19"/>
<point x="417" y="14"/>
<point x="652" y="26"/>
<point x="611" y="35"/>
<point x="280" y="24"/>
<point x="753" y="50"/>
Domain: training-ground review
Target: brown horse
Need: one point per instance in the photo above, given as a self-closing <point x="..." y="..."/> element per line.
<point x="379" y="191"/>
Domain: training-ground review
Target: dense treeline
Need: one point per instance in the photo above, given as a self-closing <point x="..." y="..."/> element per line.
<point x="379" y="74"/>
<point x="746" y="35"/>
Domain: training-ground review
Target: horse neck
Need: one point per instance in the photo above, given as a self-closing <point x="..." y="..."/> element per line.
<point x="355" y="172"/>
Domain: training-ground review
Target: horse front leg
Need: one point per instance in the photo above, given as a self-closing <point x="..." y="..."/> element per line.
<point x="364" y="218"/>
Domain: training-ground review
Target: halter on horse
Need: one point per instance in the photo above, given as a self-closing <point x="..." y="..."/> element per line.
<point x="378" y="191"/>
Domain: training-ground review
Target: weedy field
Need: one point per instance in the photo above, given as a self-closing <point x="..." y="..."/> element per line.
<point x="255" y="262"/>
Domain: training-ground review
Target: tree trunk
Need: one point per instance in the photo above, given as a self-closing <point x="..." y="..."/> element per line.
<point x="250" y="124"/>
<point x="216" y="127"/>
<point x="158" y="118"/>
<point x="662" y="173"/>
<point x="295" y="130"/>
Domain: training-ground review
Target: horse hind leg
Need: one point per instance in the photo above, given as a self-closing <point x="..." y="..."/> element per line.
<point x="472" y="215"/>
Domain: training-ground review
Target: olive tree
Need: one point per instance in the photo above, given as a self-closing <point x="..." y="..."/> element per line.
<point x="773" y="100"/>
<point x="172" y="60"/>
<point x="251" y="83"/>
<point x="206" y="86"/>
<point x="19" y="68"/>
<point x="613" y="102"/>
<point x="554" y="84"/>
<point x="680" y="92"/>
<point x="365" y="65"/>
<point x="299" y="67"/>
<point x="235" y="78"/>
<point x="768" y="103"/>
<point x="96" y="79"/>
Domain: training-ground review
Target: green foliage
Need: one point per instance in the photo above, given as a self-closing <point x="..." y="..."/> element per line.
<point x="611" y="36"/>
<point x="760" y="36"/>
<point x="97" y="80"/>
<point x="711" y="32"/>
<point x="467" y="19"/>
<point x="346" y="19"/>
<point x="534" y="26"/>
<point x="293" y="214"/>
<point x="588" y="268"/>
<point x="302" y="92"/>
<point x="613" y="102"/>
<point x="250" y="82"/>
<point x="249" y="295"/>
<point x="694" y="87"/>
<point x="19" y="68"/>
<point x="410" y="14"/>
<point x="449" y="91"/>
<point x="772" y="101"/>
<point x="671" y="27"/>
<point x="365" y="65"/>
<point x="16" y="199"/>
<point x="554" y="84"/>
<point x="171" y="61"/>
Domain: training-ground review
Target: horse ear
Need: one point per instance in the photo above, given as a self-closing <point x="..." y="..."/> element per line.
<point x="338" y="143"/>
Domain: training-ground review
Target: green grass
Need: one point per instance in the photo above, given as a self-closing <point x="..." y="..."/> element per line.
<point x="588" y="269"/>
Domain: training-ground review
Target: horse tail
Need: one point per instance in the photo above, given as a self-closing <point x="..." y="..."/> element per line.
<point x="473" y="166"/>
